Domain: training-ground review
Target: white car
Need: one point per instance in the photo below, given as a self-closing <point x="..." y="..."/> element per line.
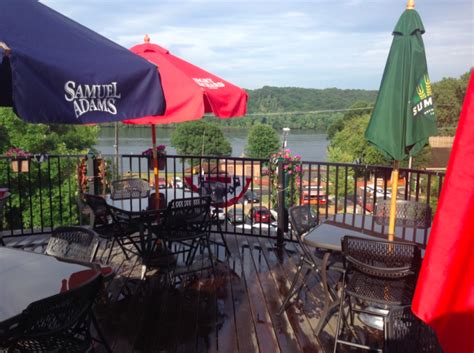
<point x="178" y="183"/>
<point x="379" y="191"/>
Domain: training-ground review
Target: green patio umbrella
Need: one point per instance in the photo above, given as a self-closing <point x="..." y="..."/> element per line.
<point x="403" y="117"/>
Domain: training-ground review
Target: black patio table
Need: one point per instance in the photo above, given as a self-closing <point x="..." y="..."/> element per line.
<point x="328" y="235"/>
<point x="26" y="277"/>
<point x="135" y="211"/>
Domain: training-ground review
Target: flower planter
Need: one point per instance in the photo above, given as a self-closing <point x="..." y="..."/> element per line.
<point x="20" y="165"/>
<point x="161" y="162"/>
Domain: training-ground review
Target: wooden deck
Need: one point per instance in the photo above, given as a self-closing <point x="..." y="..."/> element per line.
<point x="233" y="311"/>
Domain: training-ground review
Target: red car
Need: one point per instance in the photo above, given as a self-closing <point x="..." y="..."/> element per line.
<point x="260" y="215"/>
<point x="313" y="198"/>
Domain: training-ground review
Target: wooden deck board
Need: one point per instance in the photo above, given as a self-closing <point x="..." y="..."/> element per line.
<point x="298" y="320"/>
<point x="285" y="335"/>
<point x="234" y="310"/>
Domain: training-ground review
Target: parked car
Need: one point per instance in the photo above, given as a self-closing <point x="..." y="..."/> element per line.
<point x="178" y="183"/>
<point x="235" y="215"/>
<point x="380" y="192"/>
<point x="348" y="203"/>
<point x="250" y="197"/>
<point x="260" y="214"/>
<point x="312" y="198"/>
<point x="369" y="202"/>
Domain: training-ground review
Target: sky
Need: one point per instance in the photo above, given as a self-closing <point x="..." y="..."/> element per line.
<point x="284" y="43"/>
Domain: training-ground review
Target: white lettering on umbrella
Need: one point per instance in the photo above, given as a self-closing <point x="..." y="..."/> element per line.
<point x="87" y="98"/>
<point x="208" y="83"/>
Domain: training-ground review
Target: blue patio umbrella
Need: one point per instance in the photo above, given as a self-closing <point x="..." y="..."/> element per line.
<point x="54" y="70"/>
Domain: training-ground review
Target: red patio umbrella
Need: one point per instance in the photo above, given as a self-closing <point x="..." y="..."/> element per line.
<point x="189" y="91"/>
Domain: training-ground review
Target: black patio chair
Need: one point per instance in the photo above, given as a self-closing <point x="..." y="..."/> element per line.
<point x="3" y="202"/>
<point x="109" y="225"/>
<point x="409" y="214"/>
<point x="185" y="230"/>
<point x="407" y="333"/>
<point x="302" y="221"/>
<point x="379" y="275"/>
<point x="313" y="260"/>
<point x="76" y="243"/>
<point x="132" y="188"/>
<point x="60" y="323"/>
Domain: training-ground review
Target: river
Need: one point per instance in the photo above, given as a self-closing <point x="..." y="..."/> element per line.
<point x="311" y="145"/>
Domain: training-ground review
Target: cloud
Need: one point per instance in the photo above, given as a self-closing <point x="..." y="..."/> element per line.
<point x="306" y="43"/>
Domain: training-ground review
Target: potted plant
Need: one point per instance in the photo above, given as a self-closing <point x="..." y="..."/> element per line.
<point x="292" y="171"/>
<point x="19" y="159"/>
<point x="160" y="152"/>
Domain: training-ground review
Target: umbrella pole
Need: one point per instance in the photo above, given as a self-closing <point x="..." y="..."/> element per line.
<point x="393" y="203"/>
<point x="116" y="148"/>
<point x="155" y="166"/>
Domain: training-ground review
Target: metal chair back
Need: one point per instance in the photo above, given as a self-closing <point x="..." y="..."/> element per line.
<point x="47" y="322"/>
<point x="132" y="188"/>
<point x="301" y="219"/>
<point x="413" y="214"/>
<point x="407" y="333"/>
<point x="189" y="214"/>
<point x="75" y="243"/>
<point x="380" y="258"/>
<point x="102" y="212"/>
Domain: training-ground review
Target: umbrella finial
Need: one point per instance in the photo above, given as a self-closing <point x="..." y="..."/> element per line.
<point x="146" y="39"/>
<point x="410" y="4"/>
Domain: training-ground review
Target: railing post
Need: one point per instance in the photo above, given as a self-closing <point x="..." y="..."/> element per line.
<point x="281" y="209"/>
<point x="92" y="177"/>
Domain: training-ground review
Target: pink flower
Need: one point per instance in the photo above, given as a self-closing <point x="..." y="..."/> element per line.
<point x="16" y="152"/>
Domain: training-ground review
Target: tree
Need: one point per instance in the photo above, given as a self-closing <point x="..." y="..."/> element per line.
<point x="47" y="139"/>
<point x="57" y="175"/>
<point x="200" y="138"/>
<point x="262" y="141"/>
<point x="349" y="145"/>
<point x="448" y="97"/>
<point x="338" y="123"/>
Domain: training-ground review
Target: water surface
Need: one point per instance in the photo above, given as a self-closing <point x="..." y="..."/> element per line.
<point x="310" y="144"/>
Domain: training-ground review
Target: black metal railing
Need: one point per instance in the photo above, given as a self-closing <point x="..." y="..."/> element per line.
<point x="45" y="195"/>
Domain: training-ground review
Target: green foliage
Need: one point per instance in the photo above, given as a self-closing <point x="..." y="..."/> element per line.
<point x="349" y="144"/>
<point x="50" y="139"/>
<point x="292" y="172"/>
<point x="274" y="100"/>
<point x="47" y="194"/>
<point x="448" y="97"/>
<point x="262" y="141"/>
<point x="338" y="123"/>
<point x="198" y="138"/>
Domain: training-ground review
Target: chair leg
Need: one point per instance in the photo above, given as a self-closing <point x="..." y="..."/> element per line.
<point x="291" y="291"/>
<point x="102" y="339"/>
<point x="339" y="317"/>
<point x="219" y="228"/>
<point x="120" y="243"/>
<point x="110" y="251"/>
<point x="211" y="258"/>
